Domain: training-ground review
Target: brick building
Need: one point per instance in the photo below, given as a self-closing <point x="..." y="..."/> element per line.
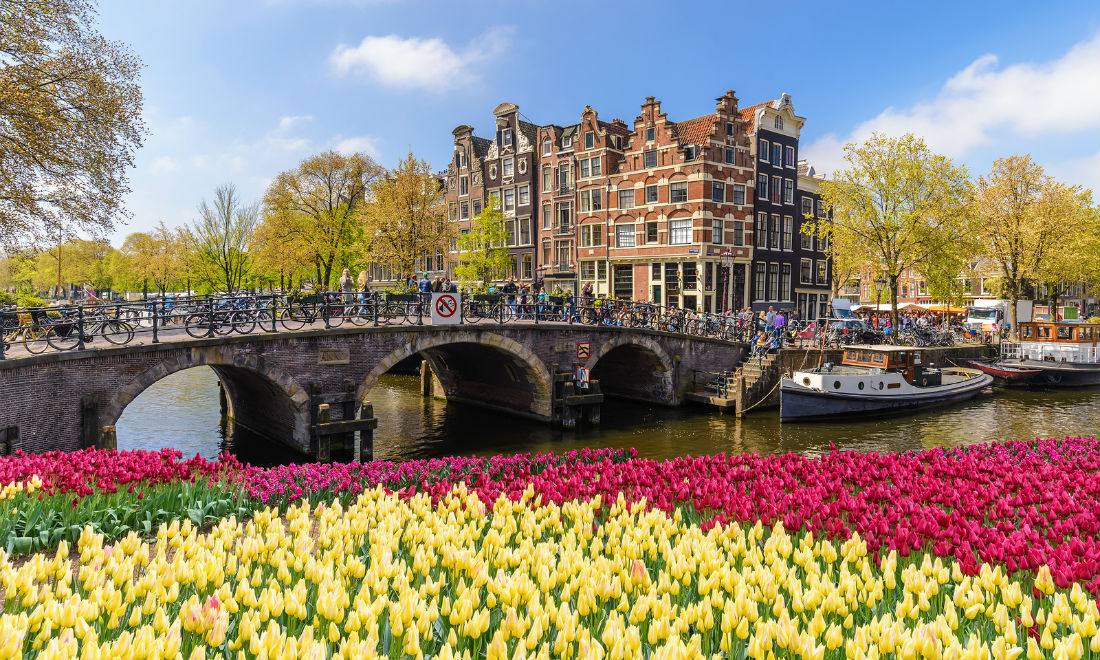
<point x="556" y="259"/>
<point x="676" y="204"/>
<point x="505" y="167"/>
<point x="812" y="286"/>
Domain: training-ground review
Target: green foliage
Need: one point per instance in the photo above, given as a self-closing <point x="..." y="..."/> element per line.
<point x="482" y="249"/>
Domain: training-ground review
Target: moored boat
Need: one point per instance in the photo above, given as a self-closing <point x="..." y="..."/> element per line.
<point x="1004" y="375"/>
<point x="875" y="380"/>
<point x="1066" y="353"/>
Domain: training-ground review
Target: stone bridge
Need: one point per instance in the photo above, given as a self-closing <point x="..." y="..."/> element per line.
<point x="273" y="382"/>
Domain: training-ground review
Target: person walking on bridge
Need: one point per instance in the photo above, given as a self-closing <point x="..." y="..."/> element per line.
<point x="347" y="286"/>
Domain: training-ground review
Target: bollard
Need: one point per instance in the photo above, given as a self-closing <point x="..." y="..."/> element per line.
<point x="108" y="439"/>
<point x="155" y="339"/>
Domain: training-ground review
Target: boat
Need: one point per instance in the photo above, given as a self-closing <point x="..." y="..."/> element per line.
<point x="1067" y="353"/>
<point x="875" y="380"/>
<point x="1004" y="375"/>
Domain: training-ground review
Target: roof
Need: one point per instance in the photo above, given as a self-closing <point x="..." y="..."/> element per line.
<point x="695" y="131"/>
<point x="748" y="115"/>
<point x="530" y="131"/>
<point x="620" y="129"/>
<point x="481" y="145"/>
<point x="569" y="130"/>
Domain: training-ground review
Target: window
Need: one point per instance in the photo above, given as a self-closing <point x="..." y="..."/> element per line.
<point x="547" y="216"/>
<point x="506" y="137"/>
<point x="672" y="276"/>
<point x="777" y="188"/>
<point x="716" y="232"/>
<point x="655" y="272"/>
<point x="807" y="241"/>
<point x="806" y="274"/>
<point x="591" y="200"/>
<point x="624" y="281"/>
<point x="773" y="232"/>
<point x="807" y="207"/>
<point x="651" y="194"/>
<point x="546" y="251"/>
<point x="525" y="231"/>
<point x="788" y="232"/>
<point x="596" y="169"/>
<point x="584" y="169"/>
<point x="758" y="276"/>
<point x="820" y="208"/>
<point x="788" y="156"/>
<point x="589" y="139"/>
<point x="477" y="207"/>
<point x="547" y="177"/>
<point x="762" y="186"/>
<point x="689" y="152"/>
<point x="463" y="210"/>
<point x="773" y="281"/>
<point x="510" y="229"/>
<point x="777" y="154"/>
<point x="708" y="275"/>
<point x="739" y="193"/>
<point x="563" y="251"/>
<point x="624" y="235"/>
<point x="788" y="191"/>
<point x="593" y="270"/>
<point x="649" y="134"/>
<point x="822" y="271"/>
<point x="761" y="230"/>
<point x="507" y="166"/>
<point x="528" y="266"/>
<point x="461" y="157"/>
<point x="738" y="233"/>
<point x="567" y="142"/>
<point x="452" y="211"/>
<point x="650" y="158"/>
<point x="591" y="235"/>
<point x="463" y="185"/>
<point x="509" y="199"/>
<point x="690" y="275"/>
<point x="731" y="155"/>
<point x="565" y="216"/>
<point x="524" y="196"/>
<point x="626" y="199"/>
<point x="677" y="192"/>
<point x="729" y="128"/>
<point x="547" y="145"/>
<point x="785" y="283"/>
<point x="651" y="232"/>
<point x="679" y="232"/>
<point x="717" y="191"/>
<point x="779" y="122"/>
<point x="765" y="150"/>
<point x="565" y="177"/>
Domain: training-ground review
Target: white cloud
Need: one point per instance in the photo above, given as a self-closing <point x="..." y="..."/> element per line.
<point x="982" y="105"/>
<point x="1083" y="171"/>
<point x="165" y="164"/>
<point x="199" y="162"/>
<point x="430" y="64"/>
<point x="362" y="143"/>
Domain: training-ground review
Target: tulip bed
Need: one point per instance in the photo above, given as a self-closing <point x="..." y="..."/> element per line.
<point x="447" y="577"/>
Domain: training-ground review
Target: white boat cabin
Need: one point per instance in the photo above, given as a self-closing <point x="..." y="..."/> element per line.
<point x="885" y="370"/>
<point x="1058" y="341"/>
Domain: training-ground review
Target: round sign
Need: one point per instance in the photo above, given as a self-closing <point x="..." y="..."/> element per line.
<point x="446" y="306"/>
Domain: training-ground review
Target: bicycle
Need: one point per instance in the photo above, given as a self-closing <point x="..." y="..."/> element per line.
<point x="65" y="335"/>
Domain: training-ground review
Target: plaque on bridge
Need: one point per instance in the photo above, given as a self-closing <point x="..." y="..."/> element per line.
<point x="334" y="356"/>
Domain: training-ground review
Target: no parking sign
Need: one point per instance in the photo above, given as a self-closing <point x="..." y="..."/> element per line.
<point x="446" y="309"/>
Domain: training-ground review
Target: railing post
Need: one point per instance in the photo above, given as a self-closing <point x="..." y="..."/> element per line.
<point x="420" y="308"/>
<point x="374" y="310"/>
<point x="155" y="339"/>
<point x="80" y="327"/>
<point x="274" y="313"/>
<point x="325" y="311"/>
<point x="210" y="319"/>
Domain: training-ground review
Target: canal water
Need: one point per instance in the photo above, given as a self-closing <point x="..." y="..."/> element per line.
<point x="182" y="411"/>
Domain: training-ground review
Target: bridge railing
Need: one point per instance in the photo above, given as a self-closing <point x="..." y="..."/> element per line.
<point x="78" y="326"/>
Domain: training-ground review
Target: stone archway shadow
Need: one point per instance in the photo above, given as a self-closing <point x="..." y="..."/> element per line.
<point x="634" y="367"/>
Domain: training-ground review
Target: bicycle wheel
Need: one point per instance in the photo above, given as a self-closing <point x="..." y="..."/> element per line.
<point x="117" y="332"/>
<point x="197" y="325"/>
<point x="293" y="318"/>
<point x="63" y="336"/>
<point x="242" y="322"/>
<point x="263" y="320"/>
<point x="359" y="315"/>
<point x="223" y="322"/>
<point x="335" y="317"/>
<point x="34" y="339"/>
<point x="391" y="314"/>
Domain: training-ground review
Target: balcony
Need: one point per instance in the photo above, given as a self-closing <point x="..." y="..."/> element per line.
<point x="564" y="228"/>
<point x="564" y="189"/>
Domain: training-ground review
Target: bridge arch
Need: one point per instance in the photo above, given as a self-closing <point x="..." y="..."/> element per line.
<point x="634" y="366"/>
<point x="480" y="367"/>
<point x="260" y="396"/>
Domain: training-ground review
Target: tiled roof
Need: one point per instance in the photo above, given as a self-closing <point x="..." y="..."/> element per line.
<point x="618" y="129"/>
<point x="569" y="130"/>
<point x="530" y="130"/>
<point x="748" y="115"/>
<point x="481" y="146"/>
<point x="695" y="131"/>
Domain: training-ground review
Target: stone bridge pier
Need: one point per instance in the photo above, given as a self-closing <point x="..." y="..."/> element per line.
<point x="274" y="383"/>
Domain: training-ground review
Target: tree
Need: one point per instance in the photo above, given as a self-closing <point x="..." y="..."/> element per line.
<point x="279" y="249"/>
<point x="315" y="207"/>
<point x="221" y="238"/>
<point x="897" y="204"/>
<point x="481" y="250"/>
<point x="70" y="120"/>
<point x="153" y="258"/>
<point x="74" y="262"/>
<point x="1035" y="229"/>
<point x="405" y="219"/>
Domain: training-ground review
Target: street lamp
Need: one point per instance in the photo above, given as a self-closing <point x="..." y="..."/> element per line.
<point x="879" y="285"/>
<point x="727" y="264"/>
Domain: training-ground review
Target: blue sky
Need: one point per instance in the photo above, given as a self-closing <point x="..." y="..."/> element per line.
<point x="238" y="90"/>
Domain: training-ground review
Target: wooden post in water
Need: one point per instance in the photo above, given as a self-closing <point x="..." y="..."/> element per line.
<point x="366" y="435"/>
<point x="425" y="379"/>
<point x="108" y="439"/>
<point x="324" y="415"/>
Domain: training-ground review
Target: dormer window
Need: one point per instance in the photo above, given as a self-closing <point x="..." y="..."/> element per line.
<point x="589" y="139"/>
<point x="505" y="137"/>
<point x="566" y="142"/>
<point x="649" y="134"/>
<point x="461" y="156"/>
<point x="689" y="152"/>
<point x="779" y="122"/>
<point x="729" y="128"/>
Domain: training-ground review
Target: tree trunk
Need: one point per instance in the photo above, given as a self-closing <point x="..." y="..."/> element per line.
<point x="893" y="302"/>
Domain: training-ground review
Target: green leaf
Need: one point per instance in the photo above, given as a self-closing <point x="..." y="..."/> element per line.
<point x="195" y="515"/>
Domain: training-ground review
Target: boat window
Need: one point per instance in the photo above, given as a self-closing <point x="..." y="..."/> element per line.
<point x="1044" y="332"/>
<point x="865" y="356"/>
<point x="836" y="384"/>
<point x="1027" y="332"/>
<point x="861" y="384"/>
<point x="916" y="358"/>
<point x="851" y="355"/>
<point x="878" y="358"/>
<point x="1065" y="332"/>
<point x="901" y="358"/>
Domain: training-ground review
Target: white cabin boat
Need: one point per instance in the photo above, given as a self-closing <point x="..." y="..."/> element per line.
<point x="1067" y="352"/>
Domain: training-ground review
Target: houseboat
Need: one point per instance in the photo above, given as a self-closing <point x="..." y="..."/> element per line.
<point x="1066" y="352"/>
<point x="875" y="380"/>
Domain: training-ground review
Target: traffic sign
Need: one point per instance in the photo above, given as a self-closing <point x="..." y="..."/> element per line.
<point x="584" y="350"/>
<point x="446" y="308"/>
<point x="582" y="375"/>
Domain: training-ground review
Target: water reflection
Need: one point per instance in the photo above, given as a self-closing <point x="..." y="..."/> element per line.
<point x="182" y="411"/>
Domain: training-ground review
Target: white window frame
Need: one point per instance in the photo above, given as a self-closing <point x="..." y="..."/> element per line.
<point x="675" y="186"/>
<point x="645" y="159"/>
<point x="788" y="156"/>
<point x="731" y="155"/>
<point x="505" y="137"/>
<point x="765" y="149"/>
<point x="547" y="147"/>
<point x="739" y="193"/>
<point x="589" y="139"/>
<point x="679" y="231"/>
<point x="788" y="233"/>
<point x="806" y="266"/>
<point x="717" y="187"/>
<point x="738" y="233"/>
<point x="507" y="167"/>
<point x="632" y="197"/>
<point x="788" y="191"/>
<point x="589" y="233"/>
<point x="716" y="231"/>
<point x="509" y="194"/>
<point x="463" y="186"/>
<point x="524" y="197"/>
<point x="657" y="196"/>
<point x="762" y="186"/>
<point x="626" y="231"/>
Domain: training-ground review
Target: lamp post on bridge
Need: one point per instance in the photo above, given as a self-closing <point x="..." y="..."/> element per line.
<point x="727" y="265"/>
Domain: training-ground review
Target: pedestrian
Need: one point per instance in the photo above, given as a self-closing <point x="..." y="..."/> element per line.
<point x="780" y="327"/>
<point x="509" y="290"/>
<point x="770" y="318"/>
<point x="362" y="281"/>
<point x="449" y="286"/>
<point x="522" y="301"/>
